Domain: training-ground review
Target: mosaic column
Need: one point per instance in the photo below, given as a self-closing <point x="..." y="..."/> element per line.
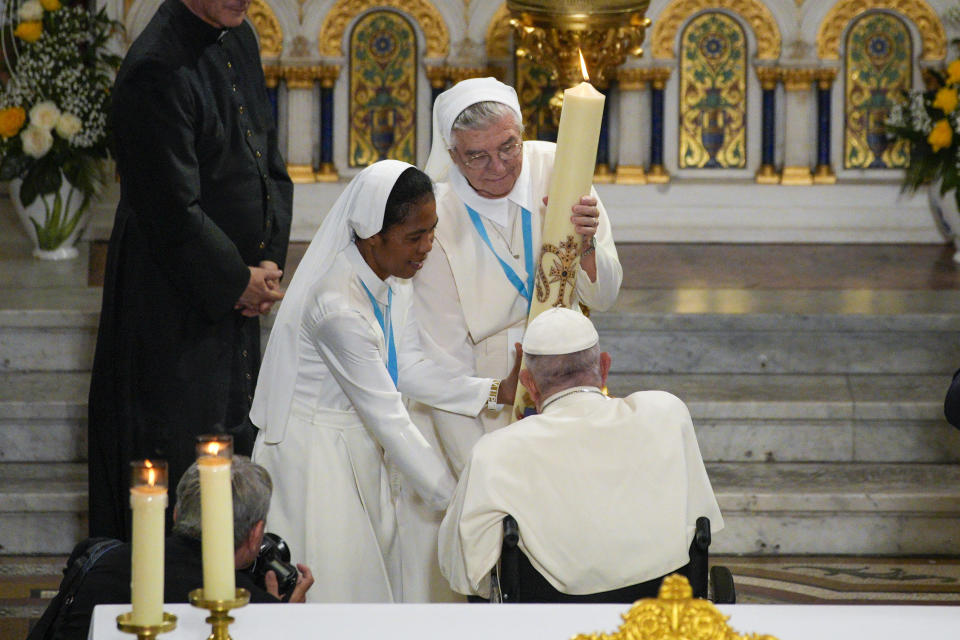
<point x="634" y="115"/>
<point x="823" y="173"/>
<point x="602" y="173"/>
<point x="300" y="116"/>
<point x="658" y="82"/>
<point x="797" y="111"/>
<point x="767" y="173"/>
<point x="328" y="75"/>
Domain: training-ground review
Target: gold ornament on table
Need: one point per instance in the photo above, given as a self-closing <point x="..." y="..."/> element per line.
<point x="674" y="615"/>
<point x="606" y="31"/>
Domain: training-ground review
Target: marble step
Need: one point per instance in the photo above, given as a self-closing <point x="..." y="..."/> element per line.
<point x="883" y="509"/>
<point x="43" y="507"/>
<point x="648" y="331"/>
<point x="768" y="508"/>
<point x="739" y="418"/>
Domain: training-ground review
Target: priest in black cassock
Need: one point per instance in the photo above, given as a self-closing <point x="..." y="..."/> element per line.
<point x="196" y="253"/>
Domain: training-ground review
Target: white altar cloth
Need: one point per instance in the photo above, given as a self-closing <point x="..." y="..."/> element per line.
<point x="542" y="621"/>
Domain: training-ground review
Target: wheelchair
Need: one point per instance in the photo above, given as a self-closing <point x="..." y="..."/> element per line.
<point x="515" y="580"/>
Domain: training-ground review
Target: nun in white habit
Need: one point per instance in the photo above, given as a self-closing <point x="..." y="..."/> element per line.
<point x="328" y="404"/>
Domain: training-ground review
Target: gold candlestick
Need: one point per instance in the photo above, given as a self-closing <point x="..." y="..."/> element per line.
<point x="219" y="618"/>
<point x="146" y="631"/>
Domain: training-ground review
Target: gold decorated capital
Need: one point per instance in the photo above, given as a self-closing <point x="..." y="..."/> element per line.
<point x="825" y="77"/>
<point x="768" y="77"/>
<point x="797" y="78"/>
<point x="550" y="33"/>
<point x="301" y="77"/>
<point x="327" y="75"/>
<point x="342" y="13"/>
<point x="658" y="77"/>
<point x="632" y="79"/>
<point x="436" y="75"/>
<point x="272" y="74"/>
<point x="456" y="74"/>
<point x="674" y="615"/>
<point x="832" y="27"/>
<point x="268" y="28"/>
<point x="755" y="13"/>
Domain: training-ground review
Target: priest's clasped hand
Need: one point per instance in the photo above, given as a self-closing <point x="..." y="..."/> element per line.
<point x="262" y="291"/>
<point x="508" y="386"/>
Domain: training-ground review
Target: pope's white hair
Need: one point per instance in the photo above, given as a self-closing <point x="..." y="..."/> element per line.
<point x="555" y="373"/>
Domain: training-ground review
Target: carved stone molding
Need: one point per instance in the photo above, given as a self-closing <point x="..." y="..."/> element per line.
<point x="328" y="74"/>
<point x="756" y="14"/>
<point x="932" y="34"/>
<point x="268" y="28"/>
<point x="330" y="37"/>
<point x="797" y="79"/>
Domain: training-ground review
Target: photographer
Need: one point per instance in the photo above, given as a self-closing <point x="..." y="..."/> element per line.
<point x="108" y="580"/>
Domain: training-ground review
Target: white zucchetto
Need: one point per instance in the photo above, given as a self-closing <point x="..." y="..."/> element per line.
<point x="558" y="331"/>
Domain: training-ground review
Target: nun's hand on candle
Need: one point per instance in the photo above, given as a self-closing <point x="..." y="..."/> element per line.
<point x="586" y="218"/>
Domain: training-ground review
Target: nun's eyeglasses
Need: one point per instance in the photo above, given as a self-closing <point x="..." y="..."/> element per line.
<point x="482" y="160"/>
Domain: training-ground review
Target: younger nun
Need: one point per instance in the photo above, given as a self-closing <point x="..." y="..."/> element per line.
<point x="328" y="400"/>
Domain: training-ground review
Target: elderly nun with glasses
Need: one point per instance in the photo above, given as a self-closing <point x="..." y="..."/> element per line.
<point x="473" y="293"/>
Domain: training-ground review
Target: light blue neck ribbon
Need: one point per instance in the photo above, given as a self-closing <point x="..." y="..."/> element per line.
<point x="525" y="288"/>
<point x="386" y="324"/>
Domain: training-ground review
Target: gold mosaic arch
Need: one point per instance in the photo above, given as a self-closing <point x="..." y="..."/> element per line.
<point x="756" y="14"/>
<point x="830" y="33"/>
<point x="498" y="34"/>
<point x="424" y="13"/>
<point x="268" y="28"/>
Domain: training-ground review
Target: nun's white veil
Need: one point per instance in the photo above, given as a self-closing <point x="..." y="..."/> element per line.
<point x="450" y="104"/>
<point x="358" y="210"/>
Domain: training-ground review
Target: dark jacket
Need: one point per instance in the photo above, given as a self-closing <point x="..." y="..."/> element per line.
<point x="205" y="194"/>
<point x="108" y="582"/>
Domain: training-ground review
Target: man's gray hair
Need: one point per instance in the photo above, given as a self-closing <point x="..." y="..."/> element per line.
<point x="480" y="115"/>
<point x="554" y="373"/>
<point x="252" y="488"/>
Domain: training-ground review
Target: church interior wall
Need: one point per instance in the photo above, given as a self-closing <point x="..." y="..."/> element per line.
<point x="718" y="205"/>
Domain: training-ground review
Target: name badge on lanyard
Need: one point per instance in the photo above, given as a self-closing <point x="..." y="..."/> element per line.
<point x="524" y="288"/>
<point x="386" y="325"/>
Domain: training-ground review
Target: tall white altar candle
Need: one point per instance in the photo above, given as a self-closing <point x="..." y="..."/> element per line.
<point x="148" y="500"/>
<point x="216" y="516"/>
<point x="576" y="158"/>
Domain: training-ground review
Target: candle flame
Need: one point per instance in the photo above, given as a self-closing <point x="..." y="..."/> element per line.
<point x="152" y="477"/>
<point x="213" y="448"/>
<point x="583" y="67"/>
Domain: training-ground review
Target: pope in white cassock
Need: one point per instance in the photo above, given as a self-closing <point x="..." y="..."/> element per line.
<point x="328" y="405"/>
<point x="606" y="491"/>
<point x="473" y="294"/>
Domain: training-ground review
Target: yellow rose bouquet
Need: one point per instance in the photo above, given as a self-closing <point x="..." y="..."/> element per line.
<point x="58" y="67"/>
<point x="930" y="121"/>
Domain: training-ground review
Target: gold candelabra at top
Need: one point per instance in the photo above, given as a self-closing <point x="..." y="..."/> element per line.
<point x="607" y="31"/>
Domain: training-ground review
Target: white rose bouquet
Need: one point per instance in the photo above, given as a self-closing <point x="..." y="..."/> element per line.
<point x="59" y="69"/>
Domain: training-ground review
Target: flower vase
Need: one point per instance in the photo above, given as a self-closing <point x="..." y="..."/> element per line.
<point x="54" y="221"/>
